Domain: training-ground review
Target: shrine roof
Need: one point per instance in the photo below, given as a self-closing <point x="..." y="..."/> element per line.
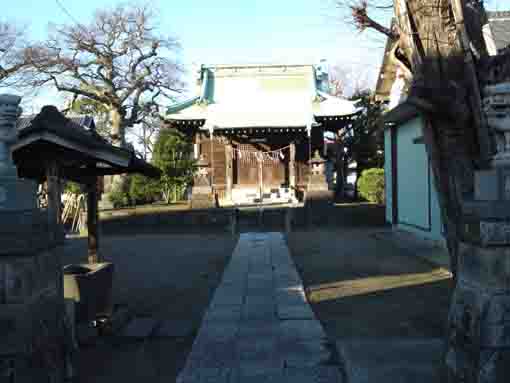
<point x="252" y="96"/>
<point x="50" y="136"/>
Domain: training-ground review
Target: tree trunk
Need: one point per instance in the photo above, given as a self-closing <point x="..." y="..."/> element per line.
<point x="118" y="182"/>
<point x="437" y="38"/>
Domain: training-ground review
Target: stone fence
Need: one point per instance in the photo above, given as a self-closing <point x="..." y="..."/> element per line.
<point x="233" y="220"/>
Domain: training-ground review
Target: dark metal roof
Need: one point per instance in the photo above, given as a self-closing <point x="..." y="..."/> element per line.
<point x="81" y="152"/>
<point x="500" y="28"/>
<point x="86" y="122"/>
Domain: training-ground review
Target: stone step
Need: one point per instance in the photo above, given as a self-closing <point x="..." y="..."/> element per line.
<point x="391" y="360"/>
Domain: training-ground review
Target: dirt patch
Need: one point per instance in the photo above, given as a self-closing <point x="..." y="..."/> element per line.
<point x="164" y="277"/>
<point x="360" y="286"/>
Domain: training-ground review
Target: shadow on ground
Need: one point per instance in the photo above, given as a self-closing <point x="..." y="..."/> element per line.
<point x="164" y="277"/>
<point x="360" y="286"/>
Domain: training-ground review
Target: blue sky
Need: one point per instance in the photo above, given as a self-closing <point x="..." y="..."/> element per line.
<point x="236" y="31"/>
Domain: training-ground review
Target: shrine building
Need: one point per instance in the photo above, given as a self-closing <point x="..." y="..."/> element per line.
<point x="257" y="127"/>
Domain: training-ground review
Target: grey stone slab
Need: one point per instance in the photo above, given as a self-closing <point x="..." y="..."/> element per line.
<point x="225" y="313"/>
<point x="249" y="369"/>
<point x="294" y="312"/>
<point x="227" y="298"/>
<point x="258" y="350"/>
<point x="259" y="313"/>
<point x="205" y="375"/>
<point x="319" y="374"/>
<point x="286" y="282"/>
<point x="260" y="291"/>
<point x="140" y="328"/>
<point x="302" y="329"/>
<point x="174" y="328"/>
<point x="258" y="330"/>
<point x="212" y="354"/>
<point x="270" y="377"/>
<point x="218" y="331"/>
<point x="391" y="360"/>
<point x="291" y="294"/>
<point x="304" y="353"/>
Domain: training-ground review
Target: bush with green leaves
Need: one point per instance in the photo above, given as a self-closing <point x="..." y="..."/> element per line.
<point x="119" y="198"/>
<point x="371" y="185"/>
<point x="172" y="155"/>
<point x="142" y="190"/>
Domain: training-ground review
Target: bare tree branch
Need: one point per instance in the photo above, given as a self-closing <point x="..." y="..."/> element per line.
<point x="118" y="60"/>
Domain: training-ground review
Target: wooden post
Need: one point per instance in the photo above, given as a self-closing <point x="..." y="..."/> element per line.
<point x="196" y="146"/>
<point x="228" y="171"/>
<point x="292" y="166"/>
<point x="92" y="218"/>
<point x="211" y="138"/>
<point x="309" y="133"/>
<point x="53" y="200"/>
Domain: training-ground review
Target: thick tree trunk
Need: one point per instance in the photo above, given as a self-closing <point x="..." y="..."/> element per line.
<point x="116" y="183"/>
<point x="437" y="38"/>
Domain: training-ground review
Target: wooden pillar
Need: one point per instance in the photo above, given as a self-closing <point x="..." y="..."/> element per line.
<point x="92" y="220"/>
<point x="309" y="134"/>
<point x="292" y="166"/>
<point x="229" y="171"/>
<point x="53" y="191"/>
<point x="211" y="138"/>
<point x="196" y="146"/>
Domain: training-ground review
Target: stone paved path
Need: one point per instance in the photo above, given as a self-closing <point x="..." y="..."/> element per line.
<point x="259" y="326"/>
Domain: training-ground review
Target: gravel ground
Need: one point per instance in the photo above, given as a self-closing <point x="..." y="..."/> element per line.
<point x="361" y="286"/>
<point x="158" y="276"/>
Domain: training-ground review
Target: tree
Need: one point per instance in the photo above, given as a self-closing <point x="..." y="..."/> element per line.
<point x="440" y="47"/>
<point x="172" y="155"/>
<point x="13" y="55"/>
<point x="118" y="62"/>
<point x="362" y="140"/>
<point x="345" y="82"/>
<point x="90" y="107"/>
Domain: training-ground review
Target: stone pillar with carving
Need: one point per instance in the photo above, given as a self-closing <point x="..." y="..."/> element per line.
<point x="31" y="295"/>
<point x="479" y="323"/>
<point x="202" y="191"/>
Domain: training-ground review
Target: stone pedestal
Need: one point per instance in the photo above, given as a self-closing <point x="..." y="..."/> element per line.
<point x="202" y="192"/>
<point x="479" y="333"/>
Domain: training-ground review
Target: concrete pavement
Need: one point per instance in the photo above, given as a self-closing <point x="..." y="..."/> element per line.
<point x="259" y="326"/>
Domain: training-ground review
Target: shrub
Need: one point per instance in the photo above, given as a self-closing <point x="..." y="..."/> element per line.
<point x="119" y="198"/>
<point x="142" y="190"/>
<point x="371" y="185"/>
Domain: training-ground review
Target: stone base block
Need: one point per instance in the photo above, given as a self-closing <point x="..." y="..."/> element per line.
<point x="30" y="296"/>
<point x="202" y="197"/>
<point x="17" y="194"/>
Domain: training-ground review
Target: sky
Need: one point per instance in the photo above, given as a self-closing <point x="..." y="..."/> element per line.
<point x="234" y="31"/>
<point x="231" y="31"/>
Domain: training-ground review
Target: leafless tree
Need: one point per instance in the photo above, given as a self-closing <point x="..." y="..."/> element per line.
<point x="13" y="59"/>
<point x="345" y="81"/>
<point x="119" y="60"/>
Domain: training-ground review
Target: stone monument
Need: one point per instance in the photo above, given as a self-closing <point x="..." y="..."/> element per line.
<point x="31" y="300"/>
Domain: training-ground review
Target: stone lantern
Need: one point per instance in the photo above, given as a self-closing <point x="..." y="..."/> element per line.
<point x="317" y="180"/>
<point x="318" y="196"/>
<point x="202" y="191"/>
